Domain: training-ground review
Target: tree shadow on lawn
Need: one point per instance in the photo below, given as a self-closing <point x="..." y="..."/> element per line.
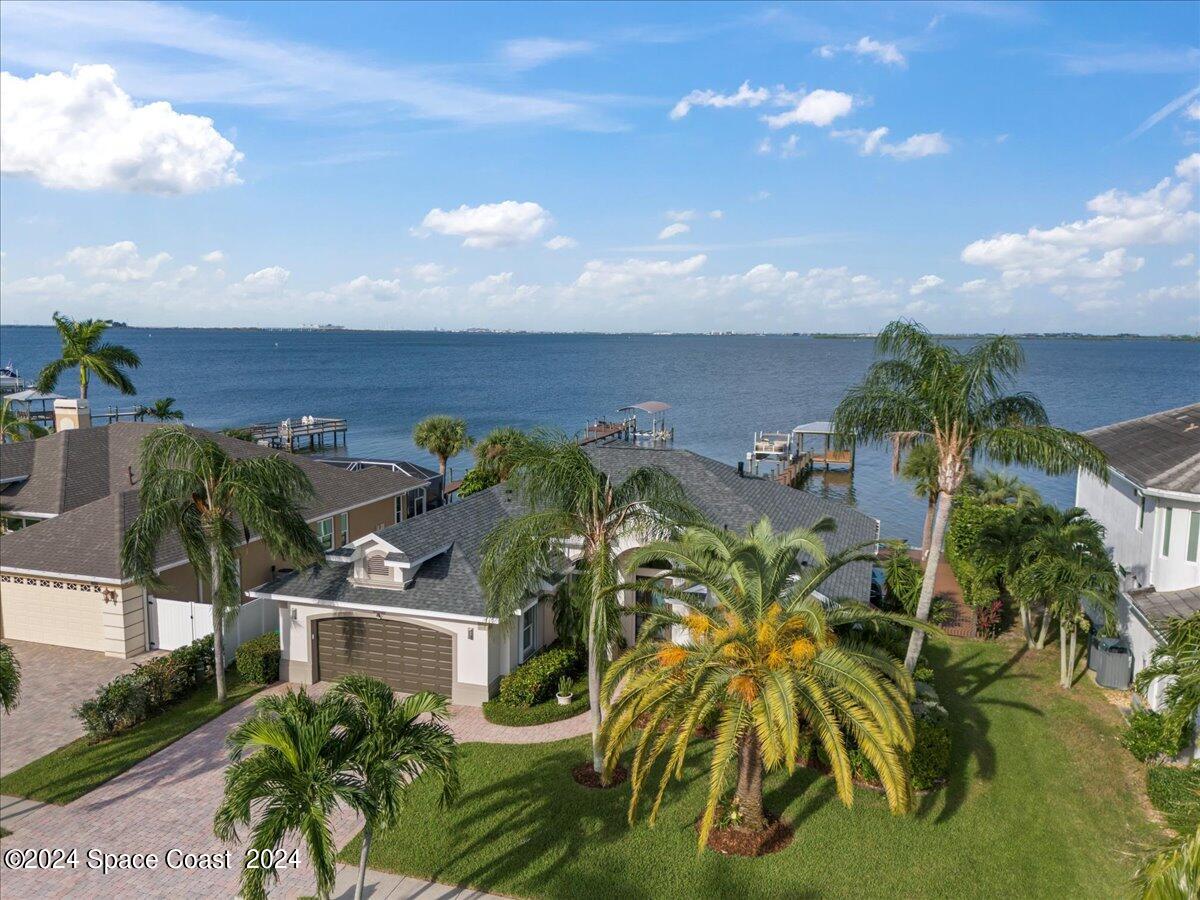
<point x="960" y="684"/>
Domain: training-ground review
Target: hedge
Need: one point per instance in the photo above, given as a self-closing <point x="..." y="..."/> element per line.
<point x="500" y="713"/>
<point x="1148" y="737"/>
<point x="978" y="575"/>
<point x="258" y="659"/>
<point x="1175" y="792"/>
<point x="134" y="697"/>
<point x="536" y="679"/>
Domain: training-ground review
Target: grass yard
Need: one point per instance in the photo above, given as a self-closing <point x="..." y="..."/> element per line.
<point x="501" y="713"/>
<point x="1041" y="801"/>
<point x="81" y="766"/>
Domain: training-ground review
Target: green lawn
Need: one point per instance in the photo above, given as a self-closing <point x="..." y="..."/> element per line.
<point x="81" y="766"/>
<point x="1041" y="801"/>
<point x="501" y="713"/>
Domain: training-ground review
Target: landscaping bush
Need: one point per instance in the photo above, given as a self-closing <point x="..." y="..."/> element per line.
<point x="930" y="758"/>
<point x="258" y="659"/>
<point x="978" y="573"/>
<point x="1175" y="792"/>
<point x="134" y="697"/>
<point x="500" y="713"/>
<point x="1148" y="737"/>
<point x="477" y="479"/>
<point x="989" y="618"/>
<point x="536" y="679"/>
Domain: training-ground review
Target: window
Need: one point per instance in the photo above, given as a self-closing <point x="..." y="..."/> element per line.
<point x="528" y="631"/>
<point x="400" y="508"/>
<point x="409" y="504"/>
<point x="325" y="533"/>
<point x="1141" y="522"/>
<point x="1166" y="551"/>
<point x="1193" y="536"/>
<point x="344" y="528"/>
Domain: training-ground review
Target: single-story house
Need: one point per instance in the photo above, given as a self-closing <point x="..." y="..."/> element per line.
<point x="405" y="603"/>
<point x="66" y="501"/>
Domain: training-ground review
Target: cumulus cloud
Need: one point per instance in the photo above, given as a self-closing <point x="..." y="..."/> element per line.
<point x="430" y="272"/>
<point x="269" y="279"/>
<point x="925" y="283"/>
<point x="601" y="274"/>
<point x="915" y="146"/>
<point x="743" y="96"/>
<point x="490" y="224"/>
<point x="1189" y="291"/>
<point x="115" y="262"/>
<point x="215" y="256"/>
<point x="673" y="230"/>
<point x="819" y="108"/>
<point x="887" y="53"/>
<point x="1189" y="167"/>
<point x="1193" y="110"/>
<point x="561" y="242"/>
<point x="39" y="284"/>
<point x="81" y="131"/>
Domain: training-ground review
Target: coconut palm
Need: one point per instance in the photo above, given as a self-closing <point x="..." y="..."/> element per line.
<point x="998" y="489"/>
<point x="16" y="427"/>
<point x="571" y="500"/>
<point x="292" y="767"/>
<point x="191" y="486"/>
<point x="926" y="391"/>
<point x="443" y="436"/>
<point x="393" y="749"/>
<point x="163" y="410"/>
<point x="921" y="468"/>
<point x="1178" y="660"/>
<point x="82" y="349"/>
<point x="769" y="660"/>
<point x="1173" y="873"/>
<point x="10" y="678"/>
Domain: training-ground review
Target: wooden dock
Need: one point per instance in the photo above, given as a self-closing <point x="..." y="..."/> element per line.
<point x="297" y="436"/>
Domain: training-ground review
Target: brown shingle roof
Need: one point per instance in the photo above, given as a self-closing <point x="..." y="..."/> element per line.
<point x="1159" y="451"/>
<point x="88" y="480"/>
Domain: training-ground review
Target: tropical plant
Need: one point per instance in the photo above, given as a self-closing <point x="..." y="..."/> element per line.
<point x="163" y="410"/>
<point x="494" y="452"/>
<point x="10" y="679"/>
<point x="395" y="743"/>
<point x="998" y="489"/>
<point x="191" y="486"/>
<point x="443" y="436"/>
<point x="921" y="468"/>
<point x="15" y="427"/>
<point x="1178" y="661"/>
<point x="926" y="391"/>
<point x="292" y="767"/>
<point x="902" y="577"/>
<point x="1172" y="873"/>
<point x="570" y="500"/>
<point x="769" y="661"/>
<point x="82" y="349"/>
<point x="241" y="434"/>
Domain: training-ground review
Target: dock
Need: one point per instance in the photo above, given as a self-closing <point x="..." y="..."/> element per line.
<point x="790" y="456"/>
<point x="656" y="435"/>
<point x="299" y="435"/>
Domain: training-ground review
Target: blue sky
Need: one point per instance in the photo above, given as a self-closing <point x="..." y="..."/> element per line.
<point x="978" y="166"/>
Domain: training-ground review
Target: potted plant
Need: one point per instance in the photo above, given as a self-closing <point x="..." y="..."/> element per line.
<point x="564" y="694"/>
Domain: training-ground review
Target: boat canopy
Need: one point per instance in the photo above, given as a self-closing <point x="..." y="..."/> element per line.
<point x="31" y="396"/>
<point x="814" y="428"/>
<point x="647" y="406"/>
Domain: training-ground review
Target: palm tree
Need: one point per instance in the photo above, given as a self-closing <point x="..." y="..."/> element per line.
<point x="444" y="437"/>
<point x="767" y="658"/>
<point x="570" y="500"/>
<point x="292" y="767"/>
<point x="1061" y="565"/>
<point x="1178" y="659"/>
<point x="1173" y="873"/>
<point x="921" y="468"/>
<point x="393" y="749"/>
<point x="494" y="452"/>
<point x="998" y="489"/>
<point x="163" y="410"/>
<point x="192" y="487"/>
<point x="926" y="391"/>
<point x="10" y="678"/>
<point x="81" y="348"/>
<point x="16" y="427"/>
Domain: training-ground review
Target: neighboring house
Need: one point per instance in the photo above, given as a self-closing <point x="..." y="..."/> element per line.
<point x="1150" y="510"/>
<point x="405" y="603"/>
<point x="66" y="501"/>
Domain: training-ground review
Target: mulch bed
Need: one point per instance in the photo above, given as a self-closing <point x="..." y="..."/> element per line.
<point x="742" y="842"/>
<point x="585" y="775"/>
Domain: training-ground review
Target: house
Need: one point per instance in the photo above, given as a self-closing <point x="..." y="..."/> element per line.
<point x="405" y="604"/>
<point x="66" y="501"/>
<point x="1150" y="509"/>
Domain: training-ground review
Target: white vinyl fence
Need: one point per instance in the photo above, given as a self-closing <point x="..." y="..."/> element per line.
<point x="174" y="623"/>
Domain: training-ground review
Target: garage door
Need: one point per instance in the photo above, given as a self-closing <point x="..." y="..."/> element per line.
<point x="406" y="656"/>
<point x="45" y="611"/>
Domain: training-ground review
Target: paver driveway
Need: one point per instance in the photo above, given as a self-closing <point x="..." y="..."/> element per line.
<point x="167" y="802"/>
<point x="53" y="681"/>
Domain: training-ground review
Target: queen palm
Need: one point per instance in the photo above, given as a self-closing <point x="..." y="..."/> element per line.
<point x="82" y="349"/>
<point x="998" y="489"/>
<point x="570" y="500"/>
<point x="921" y="468"/>
<point x="926" y="391"/>
<point x="163" y="410"/>
<point x="17" y="428"/>
<point x="396" y="742"/>
<point x="191" y="486"/>
<point x="1178" y="661"/>
<point x="1173" y="873"/>
<point x="444" y="437"/>
<point x="292" y="768"/>
<point x="768" y="659"/>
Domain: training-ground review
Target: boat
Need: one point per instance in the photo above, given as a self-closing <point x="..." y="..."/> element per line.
<point x="10" y="380"/>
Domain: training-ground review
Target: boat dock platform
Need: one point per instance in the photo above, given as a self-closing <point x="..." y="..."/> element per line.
<point x="298" y="435"/>
<point x="789" y="456"/>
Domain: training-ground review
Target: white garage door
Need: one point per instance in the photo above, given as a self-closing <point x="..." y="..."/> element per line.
<point x="47" y="611"/>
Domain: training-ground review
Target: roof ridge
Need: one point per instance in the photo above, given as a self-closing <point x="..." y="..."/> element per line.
<point x="1192" y="407"/>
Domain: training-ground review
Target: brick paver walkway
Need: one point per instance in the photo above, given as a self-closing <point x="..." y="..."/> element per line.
<point x="54" y="680"/>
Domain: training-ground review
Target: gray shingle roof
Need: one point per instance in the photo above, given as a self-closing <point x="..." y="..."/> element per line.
<point x="1160" y="451"/>
<point x="1159" y="606"/>
<point x="87" y="478"/>
<point x="449" y="582"/>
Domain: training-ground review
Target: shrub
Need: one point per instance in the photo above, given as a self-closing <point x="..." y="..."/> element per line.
<point x="535" y="679"/>
<point x="902" y="587"/>
<point x="978" y="573"/>
<point x="500" y="713"/>
<point x="923" y="672"/>
<point x="477" y="479"/>
<point x="1175" y="792"/>
<point x="1148" y="737"/>
<point x="930" y="758"/>
<point x="258" y="659"/>
<point x="988" y="618"/>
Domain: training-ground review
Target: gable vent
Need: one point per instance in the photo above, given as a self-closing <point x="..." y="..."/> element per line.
<point x="376" y="567"/>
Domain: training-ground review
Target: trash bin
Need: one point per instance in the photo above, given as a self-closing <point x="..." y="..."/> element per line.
<point x="1112" y="662"/>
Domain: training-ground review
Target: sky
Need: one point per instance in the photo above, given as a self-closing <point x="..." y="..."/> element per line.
<point x="742" y="167"/>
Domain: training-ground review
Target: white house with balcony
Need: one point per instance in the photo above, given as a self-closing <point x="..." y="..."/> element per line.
<point x="1150" y="509"/>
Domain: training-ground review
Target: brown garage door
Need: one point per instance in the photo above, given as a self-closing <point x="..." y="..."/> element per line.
<point x="406" y="656"/>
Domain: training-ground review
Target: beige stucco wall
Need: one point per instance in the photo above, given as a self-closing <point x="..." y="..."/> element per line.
<point x="76" y="614"/>
<point x="372" y="517"/>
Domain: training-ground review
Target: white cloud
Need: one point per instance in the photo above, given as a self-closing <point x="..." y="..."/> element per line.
<point x="611" y="275"/>
<point x="1189" y="167"/>
<point x="529" y="53"/>
<point x="82" y="131"/>
<point x="430" y="272"/>
<point x="1189" y="291"/>
<point x="925" y="283"/>
<point x="743" y="96"/>
<point x="115" y="262"/>
<point x="716" y="213"/>
<point x="673" y="230"/>
<point x="1193" y="110"/>
<point x="915" y="146"/>
<point x="499" y="291"/>
<point x="680" y="215"/>
<point x="39" y="284"/>
<point x="1188" y="259"/>
<point x="269" y="279"/>
<point x="489" y="225"/>
<point x="215" y="256"/>
<point x="819" y="108"/>
<point x="887" y="53"/>
<point x="561" y="242"/>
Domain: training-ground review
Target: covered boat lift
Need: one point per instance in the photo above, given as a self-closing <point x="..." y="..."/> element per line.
<point x="828" y="455"/>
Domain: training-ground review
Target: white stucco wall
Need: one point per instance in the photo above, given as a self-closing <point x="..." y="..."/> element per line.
<point x="1115" y="506"/>
<point x="1172" y="570"/>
